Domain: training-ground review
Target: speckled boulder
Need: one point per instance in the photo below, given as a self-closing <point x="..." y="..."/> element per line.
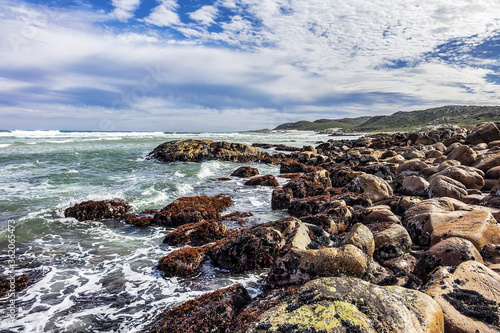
<point x="347" y="304"/>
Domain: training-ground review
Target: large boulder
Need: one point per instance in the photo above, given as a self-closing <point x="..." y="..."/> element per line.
<point x="96" y="210"/>
<point x="196" y="234"/>
<point x="442" y="186"/>
<point x="374" y="187"/>
<point x="391" y="241"/>
<point x="245" y="172"/>
<point x="415" y="185"/>
<point x="308" y="206"/>
<point x="208" y="313"/>
<point x="281" y="198"/>
<point x="472" y="178"/>
<point x="266" y="180"/>
<point x="199" y="150"/>
<point x="182" y="262"/>
<point x="485" y="132"/>
<point x="464" y="154"/>
<point x="347" y="304"/>
<point x="469" y="296"/>
<point x="192" y="209"/>
<point x="308" y="183"/>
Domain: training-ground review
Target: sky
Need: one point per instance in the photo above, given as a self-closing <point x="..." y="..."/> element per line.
<point x="230" y="65"/>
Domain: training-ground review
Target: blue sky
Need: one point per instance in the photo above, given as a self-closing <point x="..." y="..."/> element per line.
<point x="224" y="65"/>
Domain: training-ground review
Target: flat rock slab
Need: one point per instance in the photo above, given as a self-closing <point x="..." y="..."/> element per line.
<point x="347" y="304"/>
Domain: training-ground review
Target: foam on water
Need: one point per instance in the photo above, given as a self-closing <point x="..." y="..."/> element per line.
<point x="208" y="169"/>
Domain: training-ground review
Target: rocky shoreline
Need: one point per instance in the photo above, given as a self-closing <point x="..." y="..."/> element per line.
<point x="386" y="233"/>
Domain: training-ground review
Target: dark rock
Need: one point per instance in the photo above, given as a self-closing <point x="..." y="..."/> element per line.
<point x="96" y="210"/>
<point x="281" y="198"/>
<point x="209" y="313"/>
<point x="142" y="219"/>
<point x="192" y="209"/>
<point x="182" y="262"/>
<point x="199" y="150"/>
<point x="307" y="184"/>
<point x="485" y="132"/>
<point x="245" y="172"/>
<point x="196" y="234"/>
<point x="266" y="180"/>
<point x="442" y="186"/>
<point x="307" y="206"/>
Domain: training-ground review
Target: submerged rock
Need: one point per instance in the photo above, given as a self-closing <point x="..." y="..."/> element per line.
<point x="96" y="210"/>
<point x="199" y="150"/>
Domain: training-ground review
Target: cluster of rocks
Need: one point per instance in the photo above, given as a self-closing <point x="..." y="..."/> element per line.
<point x="386" y="233"/>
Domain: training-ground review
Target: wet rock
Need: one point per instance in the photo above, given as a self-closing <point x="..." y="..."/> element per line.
<point x="442" y="186"/>
<point x="307" y="206"/>
<point x="354" y="200"/>
<point x="390" y="241"/>
<point x="325" y="221"/>
<point x="469" y="297"/>
<point x="240" y="217"/>
<point x="196" y="234"/>
<point x="307" y="184"/>
<point x="347" y="304"/>
<point x="266" y="180"/>
<point x="18" y="283"/>
<point x="96" y="210"/>
<point x="199" y="150"/>
<point x="209" y="313"/>
<point x="449" y="252"/>
<point x="292" y="167"/>
<point x="192" y="209"/>
<point x="281" y="198"/>
<point x="471" y="178"/>
<point x="414" y="185"/>
<point x="374" y="187"/>
<point x="405" y="263"/>
<point x="342" y="176"/>
<point x="464" y="154"/>
<point x="182" y="262"/>
<point x="245" y="172"/>
<point x="485" y="132"/>
<point x="477" y="226"/>
<point x="142" y="219"/>
<point x="254" y="247"/>
<point x="412" y="167"/>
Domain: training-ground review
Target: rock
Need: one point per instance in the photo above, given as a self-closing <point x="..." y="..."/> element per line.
<point x="414" y="185"/>
<point x="489" y="184"/>
<point x="142" y="219"/>
<point x="347" y="304"/>
<point x="208" y="313"/>
<point x="449" y="252"/>
<point x="9" y="284"/>
<point x="442" y="186"/>
<point x="192" y="209"/>
<point x="374" y="187"/>
<point x="433" y="154"/>
<point x="254" y="247"/>
<point x="421" y="219"/>
<point x="493" y="173"/>
<point x="491" y="254"/>
<point x="412" y="153"/>
<point x="307" y="206"/>
<point x="464" y="154"/>
<point x="378" y="214"/>
<point x="292" y="167"/>
<point x="473" y="199"/>
<point x="245" y="172"/>
<point x="472" y="178"/>
<point x="405" y="263"/>
<point x="281" y="198"/>
<point x="390" y="241"/>
<point x="327" y="222"/>
<point x="200" y="150"/>
<point x="239" y="217"/>
<point x="97" y="210"/>
<point x="492" y="201"/>
<point x="361" y="237"/>
<point x="412" y="167"/>
<point x="485" y="132"/>
<point x="196" y="234"/>
<point x="342" y="176"/>
<point x="486" y="162"/>
<point x="182" y="262"/>
<point x="495" y="143"/>
<point x="266" y="180"/>
<point x="307" y="184"/>
<point x="469" y="296"/>
<point x="477" y="226"/>
<point x="446" y="164"/>
<point x="425" y="140"/>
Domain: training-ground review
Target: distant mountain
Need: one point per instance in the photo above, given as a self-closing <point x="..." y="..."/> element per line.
<point x="402" y="120"/>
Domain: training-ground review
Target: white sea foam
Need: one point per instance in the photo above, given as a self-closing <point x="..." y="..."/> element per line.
<point x="5" y="145"/>
<point x="184" y="189"/>
<point x="208" y="169"/>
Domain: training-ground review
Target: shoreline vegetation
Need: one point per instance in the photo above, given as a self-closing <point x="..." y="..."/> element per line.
<point x="391" y="232"/>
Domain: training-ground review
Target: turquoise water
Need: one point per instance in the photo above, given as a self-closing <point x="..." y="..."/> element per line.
<point x="100" y="276"/>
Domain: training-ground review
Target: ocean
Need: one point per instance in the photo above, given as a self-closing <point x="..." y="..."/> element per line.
<point x="100" y="276"/>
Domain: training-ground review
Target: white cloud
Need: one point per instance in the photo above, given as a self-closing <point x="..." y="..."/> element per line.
<point x="205" y="15"/>
<point x="124" y="9"/>
<point x="164" y="15"/>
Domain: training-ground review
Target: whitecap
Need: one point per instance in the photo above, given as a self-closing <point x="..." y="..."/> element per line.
<point x="179" y="174"/>
<point x="208" y="169"/>
<point x="4" y="145"/>
<point x="184" y="189"/>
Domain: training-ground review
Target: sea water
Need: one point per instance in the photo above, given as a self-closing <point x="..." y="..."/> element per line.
<point x="100" y="276"/>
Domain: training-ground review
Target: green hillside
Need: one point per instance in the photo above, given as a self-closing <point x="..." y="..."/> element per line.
<point x="403" y="120"/>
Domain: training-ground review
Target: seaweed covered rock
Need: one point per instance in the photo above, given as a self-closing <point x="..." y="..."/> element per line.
<point x="196" y="234"/>
<point x="192" y="209"/>
<point x="347" y="304"/>
<point x="199" y="150"/>
<point x="245" y="172"/>
<point x="391" y="241"/>
<point x="209" y="313"/>
<point x="281" y="198"/>
<point x="182" y="262"/>
<point x="254" y="247"/>
<point x="469" y="297"/>
<point x="307" y="184"/>
<point x="266" y="180"/>
<point x="96" y="210"/>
